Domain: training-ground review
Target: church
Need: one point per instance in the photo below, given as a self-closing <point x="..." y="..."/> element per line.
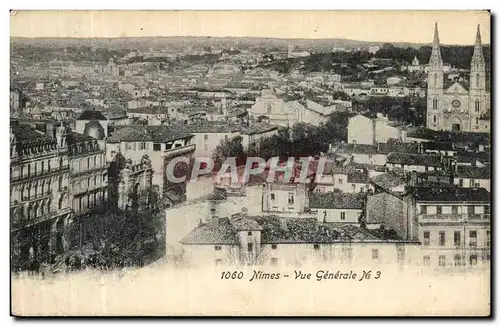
<point x="459" y="106"/>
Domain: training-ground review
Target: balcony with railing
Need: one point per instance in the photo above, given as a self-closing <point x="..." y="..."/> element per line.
<point x="453" y="217"/>
<point x="38" y="174"/>
<point x="19" y="223"/>
<point x="170" y="153"/>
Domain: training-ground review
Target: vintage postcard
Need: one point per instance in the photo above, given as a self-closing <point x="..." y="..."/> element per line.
<point x="250" y="163"/>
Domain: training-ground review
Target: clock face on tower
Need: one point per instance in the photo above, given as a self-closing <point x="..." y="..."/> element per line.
<point x="455" y="103"/>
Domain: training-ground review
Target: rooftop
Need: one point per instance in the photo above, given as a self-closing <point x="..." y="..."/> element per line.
<point x="337" y="200"/>
<point x="450" y="194"/>
<point x="282" y="230"/>
<point x="414" y="159"/>
<point x="92" y="115"/>
<point x="159" y="134"/>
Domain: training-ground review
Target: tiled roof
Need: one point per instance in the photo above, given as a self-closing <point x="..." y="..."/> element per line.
<point x="388" y="180"/>
<point x="242" y="222"/>
<point x="208" y="235"/>
<point x="133" y="133"/>
<point x="72" y="137"/>
<point x="209" y="127"/>
<point x="336" y="200"/>
<point x="26" y="133"/>
<point x="357" y="177"/>
<point x="276" y="230"/>
<point x="414" y="159"/>
<point x="473" y="172"/>
<point x="439" y="194"/>
<point x="92" y="115"/>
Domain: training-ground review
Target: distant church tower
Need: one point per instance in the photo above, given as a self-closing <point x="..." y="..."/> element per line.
<point x="459" y="107"/>
<point x="435" y="79"/>
<point x="477" y="86"/>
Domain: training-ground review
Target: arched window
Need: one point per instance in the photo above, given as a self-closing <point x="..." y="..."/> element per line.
<point x="61" y="200"/>
<point x="29" y="169"/>
<point x="477" y="80"/>
<point x="269" y="109"/>
<point x="43" y="167"/>
<point x="435" y="104"/>
<point x="36" y="168"/>
<point x="95" y="161"/>
<point x="88" y="162"/>
<point x="435" y="79"/>
<point x="476" y="105"/>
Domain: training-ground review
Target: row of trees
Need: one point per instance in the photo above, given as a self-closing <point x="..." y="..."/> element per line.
<point x="301" y="140"/>
<point x="458" y="56"/>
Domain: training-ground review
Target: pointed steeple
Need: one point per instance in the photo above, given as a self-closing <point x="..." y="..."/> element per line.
<point x="477" y="56"/>
<point x="435" y="60"/>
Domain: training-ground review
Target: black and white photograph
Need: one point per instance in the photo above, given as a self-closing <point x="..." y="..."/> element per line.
<point x="250" y="163"/>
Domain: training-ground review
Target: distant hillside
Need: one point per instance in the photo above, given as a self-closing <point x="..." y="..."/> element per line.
<point x="145" y="43"/>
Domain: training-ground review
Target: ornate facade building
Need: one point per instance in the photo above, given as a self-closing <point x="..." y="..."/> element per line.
<point x="129" y="182"/>
<point x="39" y="205"/>
<point x="88" y="172"/>
<point x="460" y="106"/>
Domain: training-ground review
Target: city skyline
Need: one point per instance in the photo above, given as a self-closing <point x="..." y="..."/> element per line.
<point x="417" y="28"/>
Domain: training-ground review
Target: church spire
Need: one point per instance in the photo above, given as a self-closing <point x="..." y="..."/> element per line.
<point x="435" y="60"/>
<point x="477" y="56"/>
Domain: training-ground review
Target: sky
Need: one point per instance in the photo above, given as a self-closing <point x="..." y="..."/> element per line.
<point x="455" y="27"/>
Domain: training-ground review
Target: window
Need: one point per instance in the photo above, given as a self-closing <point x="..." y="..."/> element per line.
<point x="427" y="260"/>
<point x="473" y="238"/>
<point x="470" y="209"/>
<point x="156" y="147"/>
<point x="434" y="119"/>
<point x="487" y="240"/>
<point x="442" y="238"/>
<point x="205" y="147"/>
<point x="269" y="109"/>
<point x="205" y="137"/>
<point x="477" y="120"/>
<point x="218" y="262"/>
<point x="423" y="209"/>
<point x="454" y="209"/>
<point x="88" y="162"/>
<point x="458" y="260"/>
<point x="477" y="80"/>
<point x="340" y="181"/>
<point x="457" y="238"/>
<point x="473" y="260"/>
<point x="442" y="261"/>
<point x="274" y="261"/>
<point x="249" y="233"/>
<point x="274" y="246"/>
<point x="435" y="80"/>
<point x="476" y="105"/>
<point x="95" y="160"/>
<point x="291" y="198"/>
<point x="476" y="184"/>
<point x="439" y="210"/>
<point x="273" y="197"/>
<point x="250" y="247"/>
<point x="427" y="238"/>
<point x="374" y="253"/>
<point x="342" y="216"/>
<point x="218" y="248"/>
<point x="461" y="182"/>
<point x="316" y="247"/>
<point x="435" y="106"/>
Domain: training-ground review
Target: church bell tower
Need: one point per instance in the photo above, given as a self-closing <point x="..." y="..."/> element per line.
<point x="435" y="79"/>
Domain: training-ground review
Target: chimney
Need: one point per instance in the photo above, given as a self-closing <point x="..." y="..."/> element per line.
<point x="214" y="222"/>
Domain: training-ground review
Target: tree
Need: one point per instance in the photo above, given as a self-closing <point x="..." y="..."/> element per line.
<point x="229" y="148"/>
